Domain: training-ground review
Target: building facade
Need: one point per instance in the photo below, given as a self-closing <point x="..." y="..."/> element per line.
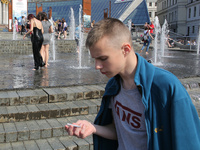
<point x="193" y="18"/>
<point x="135" y="10"/>
<point x="175" y="12"/>
<point x="3" y="13"/>
<point x="152" y="8"/>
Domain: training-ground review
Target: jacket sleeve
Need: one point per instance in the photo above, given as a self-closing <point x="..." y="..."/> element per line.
<point x="185" y="123"/>
<point x="104" y="117"/>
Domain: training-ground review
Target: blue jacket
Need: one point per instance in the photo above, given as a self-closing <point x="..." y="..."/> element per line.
<point x="172" y="121"/>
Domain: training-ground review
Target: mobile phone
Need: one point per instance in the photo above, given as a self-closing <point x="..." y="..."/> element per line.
<point x="69" y="124"/>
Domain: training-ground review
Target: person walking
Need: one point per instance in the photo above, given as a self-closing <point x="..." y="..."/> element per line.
<point x="59" y="28"/>
<point x="151" y="28"/>
<point x="147" y="40"/>
<point x="23" y="25"/>
<point x="16" y="24"/>
<point x="36" y="38"/>
<point x="77" y="36"/>
<point x="92" y="23"/>
<point x="143" y="107"/>
<point x="28" y="25"/>
<point x="64" y="29"/>
<point x="47" y="27"/>
<point x="146" y="25"/>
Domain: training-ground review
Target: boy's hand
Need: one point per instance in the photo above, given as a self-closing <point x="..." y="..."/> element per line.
<point x="86" y="129"/>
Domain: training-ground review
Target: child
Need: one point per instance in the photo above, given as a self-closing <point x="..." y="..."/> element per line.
<point x="143" y="107"/>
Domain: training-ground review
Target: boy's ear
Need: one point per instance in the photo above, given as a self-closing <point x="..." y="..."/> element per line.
<point x="126" y="48"/>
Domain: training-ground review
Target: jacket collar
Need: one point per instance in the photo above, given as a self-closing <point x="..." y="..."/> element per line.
<point x="143" y="77"/>
<point x="113" y="86"/>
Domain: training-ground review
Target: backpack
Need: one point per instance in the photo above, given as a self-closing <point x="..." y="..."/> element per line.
<point x="145" y="37"/>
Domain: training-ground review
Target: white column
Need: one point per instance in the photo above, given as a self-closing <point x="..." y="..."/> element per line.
<point x="1" y="13"/>
<point x="4" y="13"/>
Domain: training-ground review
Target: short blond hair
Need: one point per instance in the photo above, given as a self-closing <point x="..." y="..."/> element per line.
<point x="110" y="27"/>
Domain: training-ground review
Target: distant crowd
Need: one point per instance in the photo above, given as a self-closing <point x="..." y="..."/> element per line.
<point x="169" y="41"/>
<point x="60" y="27"/>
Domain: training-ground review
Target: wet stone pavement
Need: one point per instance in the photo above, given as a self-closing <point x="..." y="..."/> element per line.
<point x="16" y="70"/>
<point x="183" y="64"/>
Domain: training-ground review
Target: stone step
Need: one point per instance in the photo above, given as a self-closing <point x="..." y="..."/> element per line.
<point x="56" y="143"/>
<point x="50" y="95"/>
<point x="49" y="110"/>
<point x="38" y="129"/>
<point x="21" y="46"/>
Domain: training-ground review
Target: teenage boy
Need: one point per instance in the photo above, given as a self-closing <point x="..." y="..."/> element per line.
<point x="143" y="107"/>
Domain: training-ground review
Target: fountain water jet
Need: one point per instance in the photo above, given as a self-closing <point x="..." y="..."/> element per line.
<point x="163" y="37"/>
<point x="72" y="25"/>
<point x="157" y="31"/>
<point x="198" y="42"/>
<point x="129" y="24"/>
<point x="80" y="36"/>
<point x="81" y="39"/>
<point x="14" y="32"/>
<point x="53" y="40"/>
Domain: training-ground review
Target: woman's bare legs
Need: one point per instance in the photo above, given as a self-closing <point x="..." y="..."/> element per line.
<point x="59" y="35"/>
<point x="17" y="28"/>
<point x="42" y="53"/>
<point x="65" y="34"/>
<point x="46" y="51"/>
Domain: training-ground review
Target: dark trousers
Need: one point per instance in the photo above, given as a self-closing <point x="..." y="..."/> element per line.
<point x="22" y="29"/>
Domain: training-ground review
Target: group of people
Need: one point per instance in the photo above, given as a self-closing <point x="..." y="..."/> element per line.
<point x="143" y="107"/>
<point x="40" y="29"/>
<point x="148" y="36"/>
<point x="24" y="25"/>
<point x="193" y="42"/>
<point x="170" y="42"/>
<point x="61" y="27"/>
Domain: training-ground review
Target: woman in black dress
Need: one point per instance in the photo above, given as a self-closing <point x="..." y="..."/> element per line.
<point x="36" y="31"/>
